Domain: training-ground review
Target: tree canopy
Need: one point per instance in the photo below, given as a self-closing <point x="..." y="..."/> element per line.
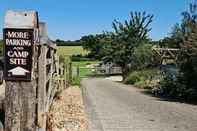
<point x="126" y="37"/>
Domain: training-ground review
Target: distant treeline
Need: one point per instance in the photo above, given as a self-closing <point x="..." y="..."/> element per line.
<point x="68" y="43"/>
<point x="58" y="42"/>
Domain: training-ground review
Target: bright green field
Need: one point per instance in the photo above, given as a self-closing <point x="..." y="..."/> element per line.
<point x="67" y="51"/>
<point x="84" y="63"/>
<point x="71" y="50"/>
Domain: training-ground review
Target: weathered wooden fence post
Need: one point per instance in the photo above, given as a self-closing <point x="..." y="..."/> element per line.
<point x="19" y="40"/>
<point x="70" y="72"/>
<point x="42" y="83"/>
<point x="78" y="71"/>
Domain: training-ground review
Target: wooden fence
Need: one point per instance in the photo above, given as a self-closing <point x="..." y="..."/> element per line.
<point x="51" y="79"/>
<point x="27" y="103"/>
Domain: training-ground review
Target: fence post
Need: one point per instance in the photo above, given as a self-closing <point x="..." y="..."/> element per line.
<point x="20" y="100"/>
<point x="70" y="72"/>
<point x="78" y="71"/>
<point x="41" y="120"/>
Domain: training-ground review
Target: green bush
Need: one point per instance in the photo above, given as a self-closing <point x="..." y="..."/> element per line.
<point x="176" y="88"/>
<point x="132" y="78"/>
<point x="167" y="86"/>
<point x="142" y="78"/>
<point x="76" y="81"/>
<point x="80" y="57"/>
<point x="184" y="86"/>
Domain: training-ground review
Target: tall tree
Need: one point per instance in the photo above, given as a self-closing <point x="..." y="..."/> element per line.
<point x="188" y="57"/>
<point x="94" y="44"/>
<point x="126" y="36"/>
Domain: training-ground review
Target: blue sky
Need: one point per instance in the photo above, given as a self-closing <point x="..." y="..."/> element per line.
<point x="71" y="19"/>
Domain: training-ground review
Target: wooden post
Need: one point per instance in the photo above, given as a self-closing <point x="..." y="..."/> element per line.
<point x="70" y="72"/>
<point x="41" y="120"/>
<point x="20" y="100"/>
<point x="20" y="106"/>
<point x="78" y="71"/>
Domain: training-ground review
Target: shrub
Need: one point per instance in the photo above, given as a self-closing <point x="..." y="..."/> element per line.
<point x="132" y="78"/>
<point x="80" y="58"/>
<point x="176" y="88"/>
<point x="184" y="86"/>
<point x="142" y="78"/>
<point x="76" y="81"/>
<point x="167" y="86"/>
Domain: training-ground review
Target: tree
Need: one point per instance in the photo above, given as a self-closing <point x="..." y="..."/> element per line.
<point x="174" y="39"/>
<point x="184" y="86"/>
<point x="143" y="56"/>
<point x="187" y="61"/>
<point x="68" y="43"/>
<point x="94" y="44"/>
<point x="126" y="37"/>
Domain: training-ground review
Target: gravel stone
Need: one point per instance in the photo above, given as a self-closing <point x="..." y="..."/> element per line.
<point x="67" y="112"/>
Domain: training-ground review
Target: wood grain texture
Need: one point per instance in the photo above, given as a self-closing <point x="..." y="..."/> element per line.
<point x="20" y="106"/>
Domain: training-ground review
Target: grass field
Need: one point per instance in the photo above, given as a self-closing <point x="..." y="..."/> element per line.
<point x="71" y="50"/>
<point x="83" y="63"/>
<point x="67" y="51"/>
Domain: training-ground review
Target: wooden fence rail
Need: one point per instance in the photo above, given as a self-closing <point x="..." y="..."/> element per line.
<point x="50" y="80"/>
<point x="27" y="103"/>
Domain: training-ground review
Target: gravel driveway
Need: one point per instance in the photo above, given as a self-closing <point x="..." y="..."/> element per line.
<point x="116" y="107"/>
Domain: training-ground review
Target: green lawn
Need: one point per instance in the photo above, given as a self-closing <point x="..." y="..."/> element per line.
<point x="83" y="63"/>
<point x="71" y="50"/>
<point x="84" y="71"/>
<point x="67" y="51"/>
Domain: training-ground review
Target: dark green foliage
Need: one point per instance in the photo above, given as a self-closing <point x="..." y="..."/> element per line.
<point x="167" y="87"/>
<point x="68" y="43"/>
<point x="132" y="78"/>
<point x="80" y="58"/>
<point x="185" y="86"/>
<point x="175" y="39"/>
<point x="187" y="61"/>
<point x="142" y="57"/>
<point x="94" y="44"/>
<point x="126" y="37"/>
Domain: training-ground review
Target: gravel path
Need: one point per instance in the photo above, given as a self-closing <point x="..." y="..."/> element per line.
<point x="67" y="112"/>
<point x="116" y="107"/>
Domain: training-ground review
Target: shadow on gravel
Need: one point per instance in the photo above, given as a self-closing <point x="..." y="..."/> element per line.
<point x="169" y="99"/>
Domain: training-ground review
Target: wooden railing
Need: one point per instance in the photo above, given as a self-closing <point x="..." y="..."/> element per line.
<point x="51" y="79"/>
<point x="27" y="103"/>
<point x="166" y="54"/>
